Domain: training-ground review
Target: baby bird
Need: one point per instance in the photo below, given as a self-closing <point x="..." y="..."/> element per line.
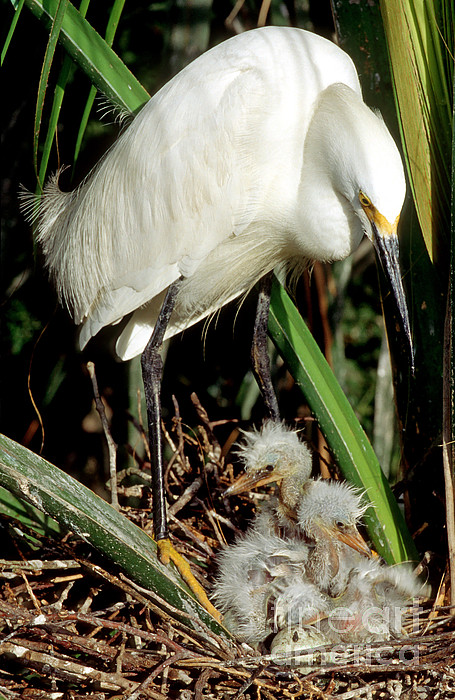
<point x="302" y="570"/>
<point x="322" y="513"/>
<point x="244" y="590"/>
<point x="372" y="606"/>
<point x="300" y="546"/>
<point x="275" y="455"/>
<point x="370" y="610"/>
<point x="327" y="515"/>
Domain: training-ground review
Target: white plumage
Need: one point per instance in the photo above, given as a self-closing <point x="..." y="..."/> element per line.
<point x="244" y="590"/>
<point x="371" y="607"/>
<point x="260" y="153"/>
<point x="274" y="455"/>
<point x="328" y="515"/>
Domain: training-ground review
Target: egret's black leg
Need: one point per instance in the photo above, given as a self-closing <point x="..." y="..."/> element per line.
<point x="152" y="371"/>
<point x="259" y="355"/>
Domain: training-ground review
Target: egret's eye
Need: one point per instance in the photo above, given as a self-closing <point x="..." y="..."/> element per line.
<point x="364" y="200"/>
<point x="340" y="525"/>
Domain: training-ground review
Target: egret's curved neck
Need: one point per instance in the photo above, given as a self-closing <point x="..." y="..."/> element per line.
<point x="329" y="227"/>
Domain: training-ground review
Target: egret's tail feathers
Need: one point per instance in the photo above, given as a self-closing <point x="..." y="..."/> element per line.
<point x="46" y="207"/>
<point x="51" y="212"/>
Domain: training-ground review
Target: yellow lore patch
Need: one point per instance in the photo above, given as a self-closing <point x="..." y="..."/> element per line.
<point x="384" y="227"/>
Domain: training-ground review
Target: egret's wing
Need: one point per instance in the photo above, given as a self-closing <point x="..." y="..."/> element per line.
<point x="163" y="197"/>
<point x="216" y="150"/>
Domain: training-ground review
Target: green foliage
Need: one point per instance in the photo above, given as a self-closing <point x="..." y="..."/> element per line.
<point x="33" y="518"/>
<point x="21" y="325"/>
<point x="340" y="427"/>
<point x="33" y="479"/>
<point x="413" y="46"/>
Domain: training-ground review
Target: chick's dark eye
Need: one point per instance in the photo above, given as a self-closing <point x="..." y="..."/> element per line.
<point x="269" y="468"/>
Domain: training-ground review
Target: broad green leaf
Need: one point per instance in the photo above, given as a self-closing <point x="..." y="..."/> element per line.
<point x="341" y="428"/>
<point x="33" y="479"/>
<point x="420" y="40"/>
<point x="101" y="64"/>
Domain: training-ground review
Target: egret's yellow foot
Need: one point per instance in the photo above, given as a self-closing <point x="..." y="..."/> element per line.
<point x="167" y="553"/>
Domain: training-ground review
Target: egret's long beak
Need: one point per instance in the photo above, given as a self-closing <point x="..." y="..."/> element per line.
<point x="248" y="481"/>
<point x="387" y="248"/>
<point x="351" y="536"/>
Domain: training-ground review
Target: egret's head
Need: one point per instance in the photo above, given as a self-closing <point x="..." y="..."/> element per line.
<point x="378" y="194"/>
<point x="270" y="455"/>
<point x="331" y="510"/>
<point x="365" y="169"/>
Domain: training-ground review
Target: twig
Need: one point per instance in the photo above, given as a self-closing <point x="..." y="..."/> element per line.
<point x="357" y="692"/>
<point x="67" y="670"/>
<point x="201" y="682"/>
<point x="186" y="496"/>
<point x="145" y="684"/>
<point x="112" y="447"/>
<point x="194" y="535"/>
<point x="165" y="676"/>
<point x="233" y="14"/>
<point x="141" y="426"/>
<point x="249" y="682"/>
<point x="448" y="442"/>
<point x="123" y="627"/>
<point x="177" y="422"/>
<point x="137" y="424"/>
<point x="30" y="592"/>
<point x="216" y="528"/>
<point x="37" y="565"/>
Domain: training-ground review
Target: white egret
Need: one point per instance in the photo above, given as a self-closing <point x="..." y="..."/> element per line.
<point x="261" y="153"/>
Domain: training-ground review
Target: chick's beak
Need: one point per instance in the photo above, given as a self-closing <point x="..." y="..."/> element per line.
<point x="247" y="481"/>
<point x="385" y="240"/>
<point x="351" y="536"/>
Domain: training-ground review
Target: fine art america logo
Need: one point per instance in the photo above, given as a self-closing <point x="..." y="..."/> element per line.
<point x="329" y="641"/>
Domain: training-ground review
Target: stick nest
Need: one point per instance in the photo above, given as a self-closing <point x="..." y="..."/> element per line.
<point x="75" y="627"/>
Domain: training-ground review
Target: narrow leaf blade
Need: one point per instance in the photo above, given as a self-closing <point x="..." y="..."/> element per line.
<point x="342" y="430"/>
<point x="87" y="48"/>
